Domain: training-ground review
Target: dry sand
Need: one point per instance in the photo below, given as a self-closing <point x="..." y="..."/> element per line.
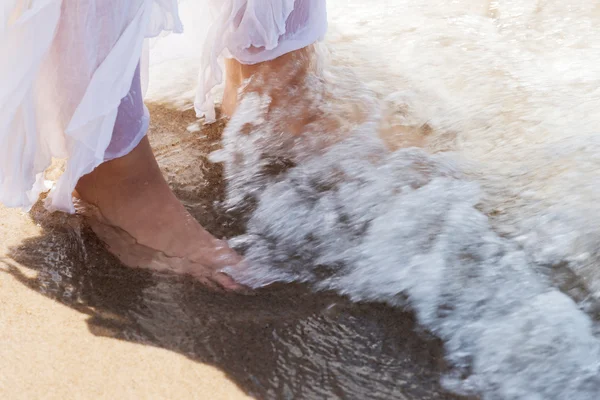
<point x="49" y="352"/>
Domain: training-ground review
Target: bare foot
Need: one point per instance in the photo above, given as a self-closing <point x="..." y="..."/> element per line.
<point x="301" y="97"/>
<point x="134" y="211"/>
<point x="302" y="102"/>
<point x="283" y="79"/>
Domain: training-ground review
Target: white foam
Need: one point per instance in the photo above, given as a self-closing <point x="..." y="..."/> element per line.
<point x="477" y="231"/>
<point x="404" y="228"/>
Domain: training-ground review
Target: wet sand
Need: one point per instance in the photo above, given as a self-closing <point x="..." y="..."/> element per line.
<point x="74" y="323"/>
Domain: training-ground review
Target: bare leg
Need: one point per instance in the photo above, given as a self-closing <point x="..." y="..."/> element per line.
<point x="145" y="225"/>
<point x="233" y="81"/>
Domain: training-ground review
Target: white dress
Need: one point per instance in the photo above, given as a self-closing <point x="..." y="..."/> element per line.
<point x="71" y="62"/>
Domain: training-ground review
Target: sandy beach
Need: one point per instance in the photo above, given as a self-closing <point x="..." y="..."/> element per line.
<point x="52" y="351"/>
<point x="49" y="351"/>
<point x="75" y="324"/>
<point x="486" y="236"/>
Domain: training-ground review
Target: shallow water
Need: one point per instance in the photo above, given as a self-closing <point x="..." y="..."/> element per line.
<point x="489" y="233"/>
<point x="282" y="342"/>
<point x="486" y="237"/>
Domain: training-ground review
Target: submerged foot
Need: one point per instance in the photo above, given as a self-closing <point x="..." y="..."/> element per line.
<point x="132" y="209"/>
<point x="282" y="79"/>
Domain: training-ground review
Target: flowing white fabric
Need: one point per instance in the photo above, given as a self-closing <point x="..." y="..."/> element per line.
<point x="70" y="62"/>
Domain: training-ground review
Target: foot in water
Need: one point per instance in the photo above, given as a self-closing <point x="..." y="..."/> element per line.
<point x="132" y="209"/>
<point x="282" y="79"/>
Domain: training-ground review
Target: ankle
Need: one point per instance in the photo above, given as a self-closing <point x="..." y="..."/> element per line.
<point x="138" y="170"/>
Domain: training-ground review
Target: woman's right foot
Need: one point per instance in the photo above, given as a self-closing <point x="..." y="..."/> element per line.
<point x="132" y="209"/>
<point x="274" y="77"/>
